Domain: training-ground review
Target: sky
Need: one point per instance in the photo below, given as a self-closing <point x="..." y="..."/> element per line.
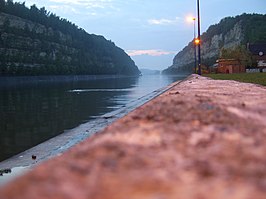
<point x="152" y="32"/>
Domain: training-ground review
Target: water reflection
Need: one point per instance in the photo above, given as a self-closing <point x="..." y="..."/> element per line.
<point x="33" y="113"/>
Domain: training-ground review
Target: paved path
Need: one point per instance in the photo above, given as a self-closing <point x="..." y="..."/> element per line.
<point x="203" y="139"/>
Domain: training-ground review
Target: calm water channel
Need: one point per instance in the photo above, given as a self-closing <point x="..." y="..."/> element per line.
<point x="32" y="112"/>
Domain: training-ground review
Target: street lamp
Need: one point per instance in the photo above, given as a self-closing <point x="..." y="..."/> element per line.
<point x="195" y="42"/>
<point x="199" y="41"/>
<point x="195" y="45"/>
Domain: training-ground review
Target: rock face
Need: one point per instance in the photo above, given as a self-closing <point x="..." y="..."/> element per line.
<point x="229" y="33"/>
<point x="31" y="48"/>
<point x="210" y="48"/>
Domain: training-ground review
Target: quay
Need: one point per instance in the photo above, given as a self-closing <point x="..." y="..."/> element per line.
<point x="202" y="139"/>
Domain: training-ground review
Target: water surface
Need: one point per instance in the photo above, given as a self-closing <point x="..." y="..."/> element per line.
<point x="32" y="112"/>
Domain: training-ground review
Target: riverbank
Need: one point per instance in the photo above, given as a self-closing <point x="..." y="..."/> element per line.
<point x="201" y="135"/>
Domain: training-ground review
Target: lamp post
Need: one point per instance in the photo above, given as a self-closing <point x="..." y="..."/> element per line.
<point x="195" y="41"/>
<point x="195" y="46"/>
<point x="199" y="44"/>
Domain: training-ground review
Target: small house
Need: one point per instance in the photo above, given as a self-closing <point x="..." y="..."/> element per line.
<point x="230" y="66"/>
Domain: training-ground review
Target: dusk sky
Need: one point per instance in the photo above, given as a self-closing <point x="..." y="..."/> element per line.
<point x="151" y="31"/>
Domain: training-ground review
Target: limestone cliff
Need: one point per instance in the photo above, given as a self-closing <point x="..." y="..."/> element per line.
<point x="229" y="33"/>
<point x="54" y="46"/>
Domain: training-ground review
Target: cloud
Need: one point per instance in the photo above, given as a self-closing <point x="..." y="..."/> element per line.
<point x="153" y="52"/>
<point x="65" y="9"/>
<point x="163" y="21"/>
<point x="84" y="7"/>
<point x="86" y="3"/>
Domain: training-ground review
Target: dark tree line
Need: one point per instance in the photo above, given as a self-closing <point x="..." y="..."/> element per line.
<point x="41" y="16"/>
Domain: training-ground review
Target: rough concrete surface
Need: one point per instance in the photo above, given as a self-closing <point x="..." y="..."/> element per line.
<point x="203" y="139"/>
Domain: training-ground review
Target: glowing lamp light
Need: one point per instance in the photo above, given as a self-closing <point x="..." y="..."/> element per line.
<point x="197" y="41"/>
<point x="190" y="19"/>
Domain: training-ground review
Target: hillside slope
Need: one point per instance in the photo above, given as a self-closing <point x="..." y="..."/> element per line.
<point x="36" y="42"/>
<point x="228" y="33"/>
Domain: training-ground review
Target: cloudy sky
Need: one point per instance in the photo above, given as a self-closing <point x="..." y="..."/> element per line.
<point x="150" y="31"/>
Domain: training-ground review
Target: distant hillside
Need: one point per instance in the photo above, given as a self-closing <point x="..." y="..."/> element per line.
<point x="36" y="42"/>
<point x="145" y="71"/>
<point x="230" y="32"/>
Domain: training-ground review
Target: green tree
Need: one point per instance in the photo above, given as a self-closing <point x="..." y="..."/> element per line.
<point x="239" y="53"/>
<point x="2" y="5"/>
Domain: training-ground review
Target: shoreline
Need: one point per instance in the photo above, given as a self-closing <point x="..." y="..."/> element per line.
<point x="61" y="143"/>
<point x="10" y="81"/>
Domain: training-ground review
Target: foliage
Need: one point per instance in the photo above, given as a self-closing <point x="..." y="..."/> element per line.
<point x="62" y="48"/>
<point x="256" y="78"/>
<point x="239" y="53"/>
<point x="253" y="27"/>
<point x="210" y="61"/>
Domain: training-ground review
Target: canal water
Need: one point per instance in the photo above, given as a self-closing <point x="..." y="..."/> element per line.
<point x="33" y="110"/>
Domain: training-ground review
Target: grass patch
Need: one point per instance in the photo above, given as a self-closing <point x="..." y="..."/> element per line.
<point x="256" y="78"/>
